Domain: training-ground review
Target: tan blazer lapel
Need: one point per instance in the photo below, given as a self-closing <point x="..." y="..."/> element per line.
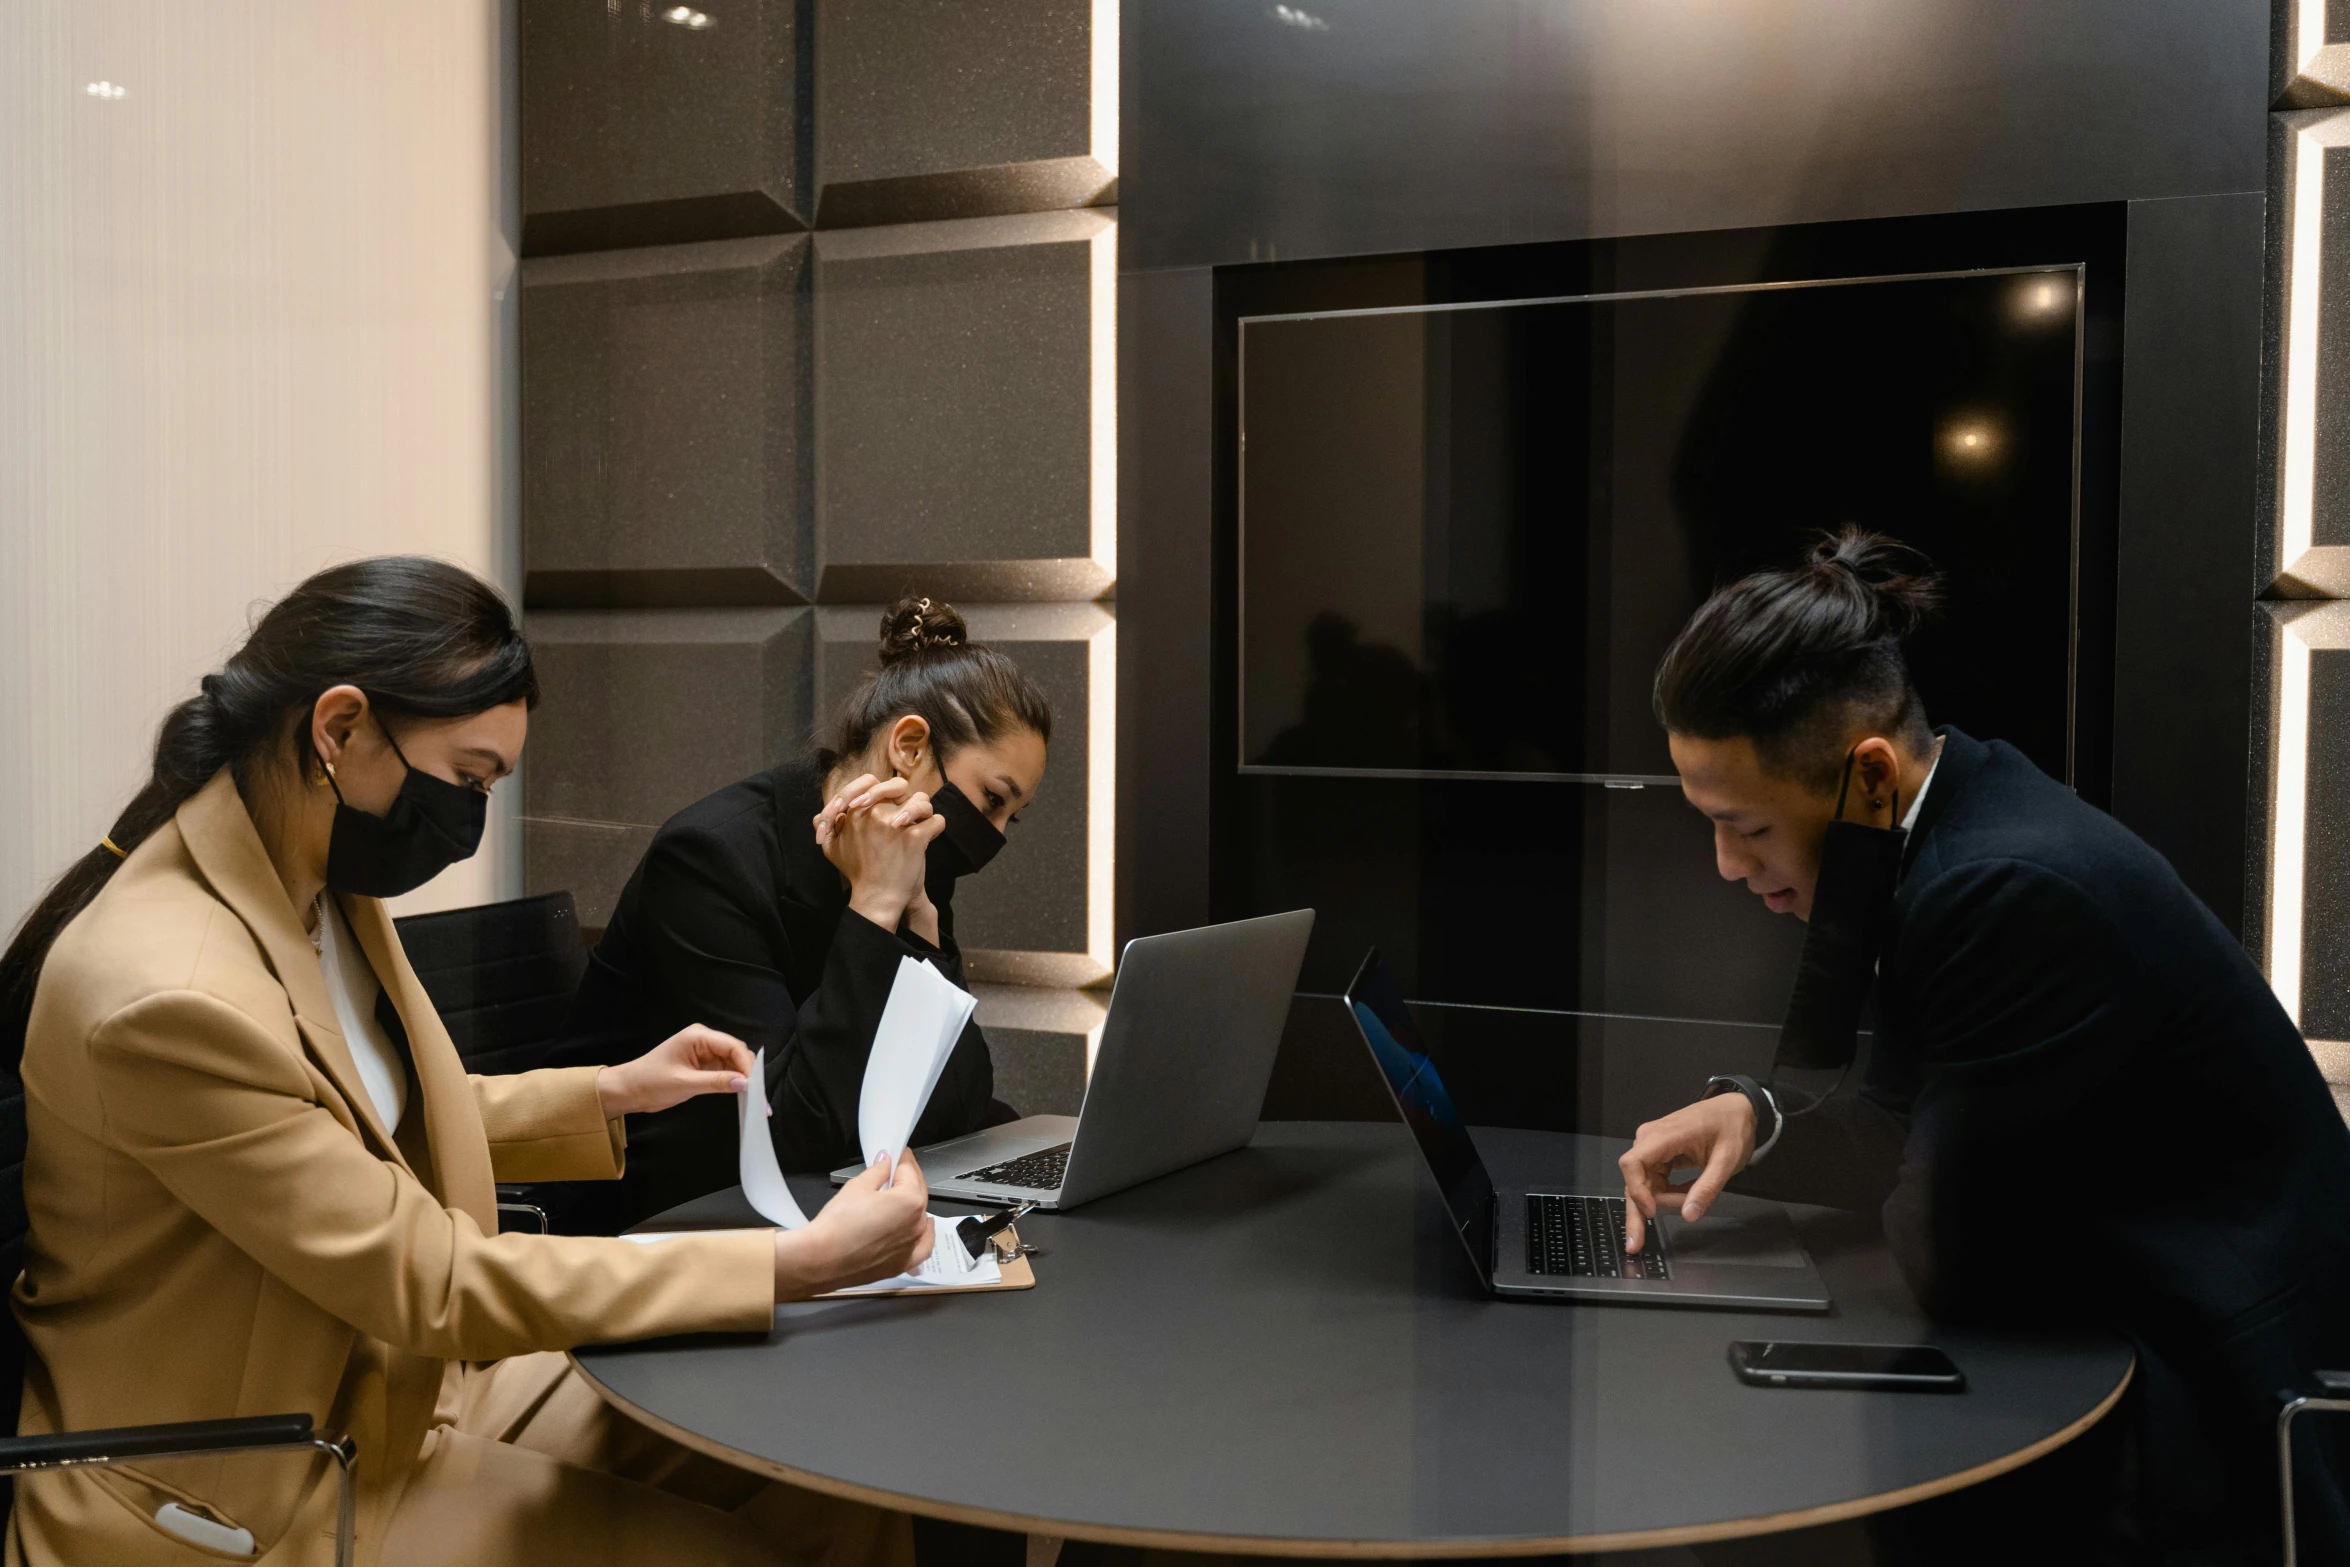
<point x="221" y="839"/>
<point x="452" y="1114"/>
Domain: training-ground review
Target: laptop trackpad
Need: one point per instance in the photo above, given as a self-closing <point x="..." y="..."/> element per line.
<point x="1749" y="1240"/>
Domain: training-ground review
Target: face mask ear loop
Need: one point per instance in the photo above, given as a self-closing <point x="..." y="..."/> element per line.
<point x="1780" y="1097"/>
<point x="388" y="740"/>
<point x="1845" y="787"/>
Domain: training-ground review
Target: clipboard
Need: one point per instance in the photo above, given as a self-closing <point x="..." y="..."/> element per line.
<point x="1017" y="1275"/>
<point x="1015" y="1271"/>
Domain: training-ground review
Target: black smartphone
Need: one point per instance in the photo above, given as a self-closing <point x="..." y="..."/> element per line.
<point x="1915" y="1368"/>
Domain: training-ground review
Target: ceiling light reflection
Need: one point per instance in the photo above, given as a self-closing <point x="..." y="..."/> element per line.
<point x="1972" y="445"/>
<point x="106" y="90"/>
<point x="2043" y="298"/>
<point x="687" y="16"/>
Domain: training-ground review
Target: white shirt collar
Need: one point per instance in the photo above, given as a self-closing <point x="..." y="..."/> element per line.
<point x="1909" y="819"/>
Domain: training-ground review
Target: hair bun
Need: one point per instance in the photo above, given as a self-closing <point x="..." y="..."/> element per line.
<point x="1904" y="589"/>
<point x="914" y="625"/>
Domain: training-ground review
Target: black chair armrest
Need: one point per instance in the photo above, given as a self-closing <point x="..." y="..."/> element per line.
<point x="515" y="1200"/>
<point x="2331" y="1395"/>
<point x="186" y="1438"/>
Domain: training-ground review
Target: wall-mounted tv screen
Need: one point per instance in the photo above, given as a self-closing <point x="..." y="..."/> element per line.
<point x="1467" y="532"/>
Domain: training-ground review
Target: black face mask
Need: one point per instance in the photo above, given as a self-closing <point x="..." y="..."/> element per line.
<point x="1850" y="908"/>
<point x="968" y="843"/>
<point x="432" y="824"/>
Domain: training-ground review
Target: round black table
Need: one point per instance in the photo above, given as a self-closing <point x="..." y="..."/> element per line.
<point x="1283" y="1351"/>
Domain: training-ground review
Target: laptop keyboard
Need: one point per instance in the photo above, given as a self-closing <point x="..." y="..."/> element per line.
<point x="1039" y="1171"/>
<point x="1583" y="1238"/>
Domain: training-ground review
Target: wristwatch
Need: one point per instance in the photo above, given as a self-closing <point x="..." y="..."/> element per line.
<point x="1766" y="1108"/>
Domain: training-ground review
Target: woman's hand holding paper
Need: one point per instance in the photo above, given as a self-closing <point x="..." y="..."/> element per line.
<point x="867" y="1232"/>
<point x="694" y="1060"/>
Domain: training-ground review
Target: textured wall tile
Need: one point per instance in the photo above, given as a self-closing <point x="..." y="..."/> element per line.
<point x="2310" y="63"/>
<point x="965" y="406"/>
<point x="1039" y="914"/>
<point x="1042" y="1042"/>
<point x="2308" y="553"/>
<point x="665" y="455"/>
<point x="2306" y="908"/>
<point x="647" y="124"/>
<point x="964" y="108"/>
<point x="643" y="712"/>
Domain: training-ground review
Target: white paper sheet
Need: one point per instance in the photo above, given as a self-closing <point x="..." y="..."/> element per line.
<point x="948" y="1265"/>
<point x="761" y="1176"/>
<point x="923" y="1018"/>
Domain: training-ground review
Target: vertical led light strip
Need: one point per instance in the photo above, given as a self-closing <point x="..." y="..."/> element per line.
<point x="1101" y="814"/>
<point x="1104" y="85"/>
<point x="2289" y="820"/>
<point x="1101" y="803"/>
<point x="2305" y="150"/>
<point x="1104" y="391"/>
<point x="2310" y="23"/>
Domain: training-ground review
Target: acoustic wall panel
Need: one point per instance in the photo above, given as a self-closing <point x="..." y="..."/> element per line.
<point x="724" y="418"/>
<point x="2310" y="59"/>
<point x="964" y="108"/>
<point x="2309" y="550"/>
<point x="965" y="394"/>
<point x="650" y="124"/>
<point x="665" y="449"/>
<point x="1040" y="914"/>
<point x="2306" y="899"/>
<point x="2301" y="887"/>
<point x="641" y="714"/>
<point x="1043" y="1044"/>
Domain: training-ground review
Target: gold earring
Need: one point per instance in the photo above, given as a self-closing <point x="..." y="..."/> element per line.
<point x="321" y="780"/>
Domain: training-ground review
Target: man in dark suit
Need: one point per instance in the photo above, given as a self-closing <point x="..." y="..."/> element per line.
<point x="2083" y="1104"/>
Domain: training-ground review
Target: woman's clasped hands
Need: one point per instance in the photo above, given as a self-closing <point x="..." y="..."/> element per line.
<point x="877" y="833"/>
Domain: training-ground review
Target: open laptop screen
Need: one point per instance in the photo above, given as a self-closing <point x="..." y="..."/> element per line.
<point x="1378" y="1010"/>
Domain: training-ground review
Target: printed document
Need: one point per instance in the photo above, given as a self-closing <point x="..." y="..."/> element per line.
<point x="761" y="1176"/>
<point x="923" y="1018"/>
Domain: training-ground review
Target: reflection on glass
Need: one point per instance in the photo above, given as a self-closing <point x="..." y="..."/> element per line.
<point x="1467" y="533"/>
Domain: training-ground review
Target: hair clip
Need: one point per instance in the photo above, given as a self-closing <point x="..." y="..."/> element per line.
<point x="111" y="847"/>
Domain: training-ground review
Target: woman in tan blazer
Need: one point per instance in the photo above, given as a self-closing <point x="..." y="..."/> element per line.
<point x="252" y="1189"/>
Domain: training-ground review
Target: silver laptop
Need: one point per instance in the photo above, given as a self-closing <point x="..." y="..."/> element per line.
<point x="1180" y="1075"/>
<point x="1556" y="1243"/>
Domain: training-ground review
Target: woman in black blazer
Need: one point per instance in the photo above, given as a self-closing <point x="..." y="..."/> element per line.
<point x="2082" y="1104"/>
<point x="777" y="909"/>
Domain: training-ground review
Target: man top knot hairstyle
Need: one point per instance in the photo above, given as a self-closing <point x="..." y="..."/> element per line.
<point x="1795" y="660"/>
<point x="967" y="693"/>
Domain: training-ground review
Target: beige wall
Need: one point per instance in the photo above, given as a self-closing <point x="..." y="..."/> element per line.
<point x="255" y="317"/>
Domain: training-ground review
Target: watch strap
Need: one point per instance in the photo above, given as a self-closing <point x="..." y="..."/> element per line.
<point x="1765" y="1106"/>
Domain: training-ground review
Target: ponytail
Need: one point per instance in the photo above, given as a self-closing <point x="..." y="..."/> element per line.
<point x="421" y="637"/>
<point x="1794" y="659"/>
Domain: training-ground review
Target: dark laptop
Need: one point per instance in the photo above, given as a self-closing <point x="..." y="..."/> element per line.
<point x="1552" y="1243"/>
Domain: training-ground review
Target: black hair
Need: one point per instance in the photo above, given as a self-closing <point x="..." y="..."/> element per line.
<point x="930" y="667"/>
<point x="421" y="637"/>
<point x="1796" y="659"/>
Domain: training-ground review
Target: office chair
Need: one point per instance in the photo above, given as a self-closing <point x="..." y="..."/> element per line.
<point x="2334" y="1398"/>
<point x="502" y="977"/>
<point x="125" y="1444"/>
